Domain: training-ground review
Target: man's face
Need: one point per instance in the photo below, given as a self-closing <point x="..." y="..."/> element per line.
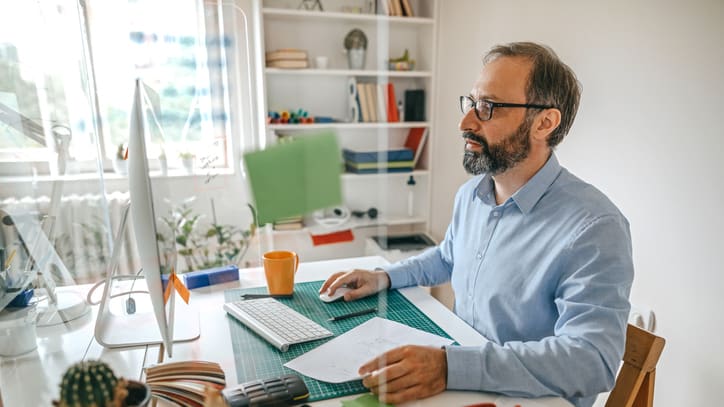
<point x="502" y="142"/>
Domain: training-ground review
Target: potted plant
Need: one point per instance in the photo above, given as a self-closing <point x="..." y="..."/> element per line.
<point x="120" y="165"/>
<point x="187" y="160"/>
<point x="92" y="383"/>
<point x="202" y="246"/>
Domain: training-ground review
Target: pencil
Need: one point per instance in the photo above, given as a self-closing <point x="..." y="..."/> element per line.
<point x="9" y="261"/>
<point x="353" y="314"/>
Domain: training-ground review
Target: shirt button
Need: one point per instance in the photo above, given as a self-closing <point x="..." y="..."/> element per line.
<point x="479" y="256"/>
<point x="495" y="214"/>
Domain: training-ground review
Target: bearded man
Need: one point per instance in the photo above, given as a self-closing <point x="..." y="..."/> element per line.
<point x="540" y="262"/>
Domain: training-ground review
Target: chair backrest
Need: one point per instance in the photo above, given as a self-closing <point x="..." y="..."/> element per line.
<point x="635" y="381"/>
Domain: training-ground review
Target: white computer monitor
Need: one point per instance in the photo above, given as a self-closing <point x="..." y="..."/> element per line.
<point x="115" y="327"/>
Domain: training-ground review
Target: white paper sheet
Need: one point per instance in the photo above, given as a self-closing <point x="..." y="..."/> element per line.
<point x="338" y="360"/>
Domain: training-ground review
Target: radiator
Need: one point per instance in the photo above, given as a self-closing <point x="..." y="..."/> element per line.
<point x="80" y="233"/>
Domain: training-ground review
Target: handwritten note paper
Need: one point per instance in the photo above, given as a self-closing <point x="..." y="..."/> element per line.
<point x="338" y="360"/>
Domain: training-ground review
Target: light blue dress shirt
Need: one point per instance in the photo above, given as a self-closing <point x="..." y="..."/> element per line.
<point x="545" y="276"/>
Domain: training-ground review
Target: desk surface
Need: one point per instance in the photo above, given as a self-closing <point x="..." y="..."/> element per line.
<point x="32" y="379"/>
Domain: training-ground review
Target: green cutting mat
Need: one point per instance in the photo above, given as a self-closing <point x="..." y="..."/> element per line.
<point x="257" y="359"/>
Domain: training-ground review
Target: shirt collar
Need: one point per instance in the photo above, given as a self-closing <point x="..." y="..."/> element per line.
<point x="530" y="193"/>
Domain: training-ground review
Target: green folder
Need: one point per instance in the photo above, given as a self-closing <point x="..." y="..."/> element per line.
<point x="299" y="176"/>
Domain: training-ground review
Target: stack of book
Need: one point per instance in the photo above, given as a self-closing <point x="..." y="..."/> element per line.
<point x="184" y="383"/>
<point x="368" y="162"/>
<point x="287" y="58"/>
<point x="289" y="223"/>
<point x="397" y="160"/>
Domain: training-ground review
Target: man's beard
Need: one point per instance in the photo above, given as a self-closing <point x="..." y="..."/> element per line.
<point x="499" y="157"/>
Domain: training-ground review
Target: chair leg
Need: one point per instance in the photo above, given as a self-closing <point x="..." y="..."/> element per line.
<point x="645" y="396"/>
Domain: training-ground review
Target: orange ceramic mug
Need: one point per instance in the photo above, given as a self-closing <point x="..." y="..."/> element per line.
<point x="279" y="268"/>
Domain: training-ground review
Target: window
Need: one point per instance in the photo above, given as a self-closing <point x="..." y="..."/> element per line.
<point x="71" y="70"/>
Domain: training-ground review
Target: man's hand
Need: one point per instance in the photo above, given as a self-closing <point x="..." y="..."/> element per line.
<point x="406" y="373"/>
<point x="362" y="282"/>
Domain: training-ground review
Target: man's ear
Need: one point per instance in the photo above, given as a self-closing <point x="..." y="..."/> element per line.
<point x="546" y="121"/>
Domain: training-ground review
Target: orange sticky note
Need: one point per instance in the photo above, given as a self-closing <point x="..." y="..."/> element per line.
<point x="179" y="286"/>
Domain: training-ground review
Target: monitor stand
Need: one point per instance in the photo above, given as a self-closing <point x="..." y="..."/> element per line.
<point x="116" y="327"/>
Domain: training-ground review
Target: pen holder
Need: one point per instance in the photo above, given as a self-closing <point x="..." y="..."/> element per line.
<point x="17" y="331"/>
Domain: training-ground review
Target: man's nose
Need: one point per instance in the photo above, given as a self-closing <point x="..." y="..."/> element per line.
<point x="469" y="122"/>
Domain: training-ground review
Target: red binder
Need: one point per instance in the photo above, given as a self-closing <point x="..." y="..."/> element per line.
<point x="392" y="113"/>
<point x="416" y="141"/>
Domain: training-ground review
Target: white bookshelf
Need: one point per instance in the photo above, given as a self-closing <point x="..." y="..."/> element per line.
<point x="322" y="92"/>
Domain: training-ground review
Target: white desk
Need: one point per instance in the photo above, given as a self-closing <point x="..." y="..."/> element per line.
<point x="32" y="379"/>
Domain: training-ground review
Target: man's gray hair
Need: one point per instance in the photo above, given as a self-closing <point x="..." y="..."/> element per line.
<point x="551" y="82"/>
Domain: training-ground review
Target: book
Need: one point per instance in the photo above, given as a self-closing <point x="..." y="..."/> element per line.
<point x="404" y="154"/>
<point x="290" y="219"/>
<point x="371" y="90"/>
<point x="396" y="8"/>
<point x="289" y="223"/>
<point x="288" y="226"/>
<point x="415" y="105"/>
<point x="184" y="383"/>
<point x="415" y="141"/>
<point x="286" y="54"/>
<point x="364" y="109"/>
<point x="380" y="164"/>
<point x="407" y="8"/>
<point x="392" y="113"/>
<point x="355" y="170"/>
<point x="369" y="102"/>
<point x="381" y="102"/>
<point x="288" y="63"/>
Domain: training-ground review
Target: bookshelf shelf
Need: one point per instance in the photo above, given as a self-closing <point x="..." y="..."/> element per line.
<point x="417" y="173"/>
<point x="357" y="224"/>
<point x="349" y="72"/>
<point x="291" y="15"/>
<point x="346" y="125"/>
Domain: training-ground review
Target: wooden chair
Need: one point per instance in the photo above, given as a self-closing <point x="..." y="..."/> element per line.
<point x="635" y="381"/>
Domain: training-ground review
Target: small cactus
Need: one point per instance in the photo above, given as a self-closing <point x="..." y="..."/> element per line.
<point x="89" y="384"/>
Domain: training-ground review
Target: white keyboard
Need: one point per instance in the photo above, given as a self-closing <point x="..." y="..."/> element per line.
<point x="277" y="323"/>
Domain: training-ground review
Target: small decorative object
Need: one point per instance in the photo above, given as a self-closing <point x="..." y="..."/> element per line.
<point x="300" y="116"/>
<point x="355" y="43"/>
<point x="92" y="383"/>
<point x="311" y="5"/>
<point x="403" y="63"/>
<point x="321" y="62"/>
<point x="187" y="160"/>
<point x="163" y="163"/>
<point x="120" y="165"/>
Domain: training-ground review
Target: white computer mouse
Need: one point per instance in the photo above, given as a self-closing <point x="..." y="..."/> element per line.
<point x="336" y="296"/>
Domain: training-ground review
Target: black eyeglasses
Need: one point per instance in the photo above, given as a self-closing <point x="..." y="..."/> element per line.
<point x="484" y="108"/>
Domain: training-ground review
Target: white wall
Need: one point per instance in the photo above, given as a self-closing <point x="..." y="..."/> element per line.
<point x="648" y="134"/>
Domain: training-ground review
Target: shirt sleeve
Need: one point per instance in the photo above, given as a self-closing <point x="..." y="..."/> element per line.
<point x="433" y="266"/>
<point x="582" y="357"/>
<point x="427" y="269"/>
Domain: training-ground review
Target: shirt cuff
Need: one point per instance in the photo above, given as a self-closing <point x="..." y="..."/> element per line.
<point x="399" y="278"/>
<point x="463" y="367"/>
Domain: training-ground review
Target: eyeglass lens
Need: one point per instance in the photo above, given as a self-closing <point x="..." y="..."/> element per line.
<point x="482" y="108"/>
